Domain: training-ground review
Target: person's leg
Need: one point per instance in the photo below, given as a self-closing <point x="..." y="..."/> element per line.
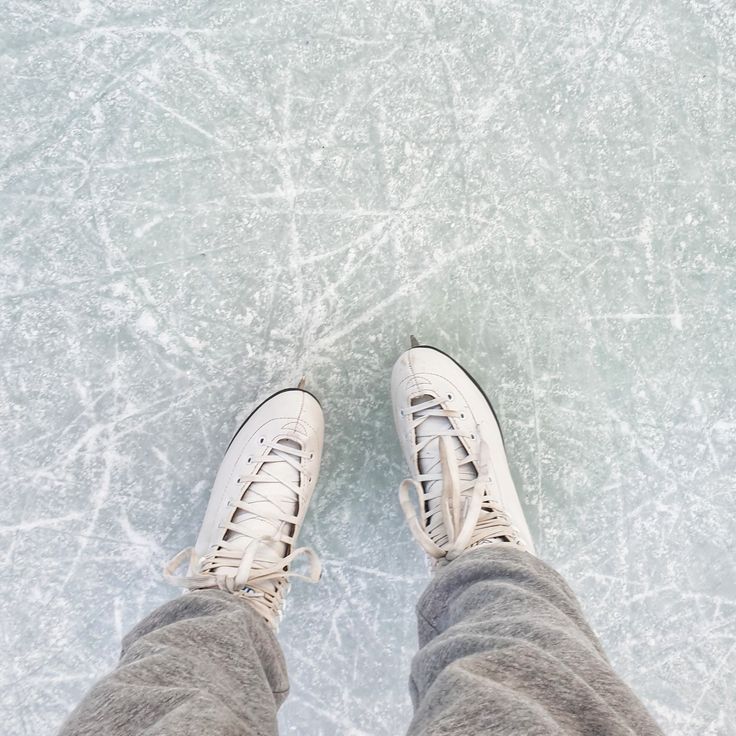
<point x="204" y="663"/>
<point x="208" y="662"/>
<point x="505" y="649"/>
<point x="504" y="646"/>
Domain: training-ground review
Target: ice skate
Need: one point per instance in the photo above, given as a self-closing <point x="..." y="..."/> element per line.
<point x="257" y="506"/>
<point x="452" y="442"/>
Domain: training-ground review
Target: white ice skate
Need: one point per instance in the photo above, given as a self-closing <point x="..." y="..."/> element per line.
<point x="453" y="444"/>
<point x="257" y="506"/>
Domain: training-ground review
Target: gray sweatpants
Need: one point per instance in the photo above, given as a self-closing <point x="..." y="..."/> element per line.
<point x="503" y="649"/>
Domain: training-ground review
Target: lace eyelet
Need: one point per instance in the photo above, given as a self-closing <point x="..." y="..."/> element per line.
<point x="472" y="436"/>
<point x="449" y="397"/>
<point x="311" y="456"/>
<point x="462" y="415"/>
<point x="249" y="460"/>
<point x="261" y="440"/>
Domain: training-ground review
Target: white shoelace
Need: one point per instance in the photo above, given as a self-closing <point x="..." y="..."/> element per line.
<point x="242" y="568"/>
<point x="465" y="516"/>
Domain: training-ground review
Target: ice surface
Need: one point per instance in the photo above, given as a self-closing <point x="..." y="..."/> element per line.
<point x="201" y="201"/>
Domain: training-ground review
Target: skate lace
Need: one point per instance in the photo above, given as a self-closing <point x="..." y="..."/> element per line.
<point x="257" y="577"/>
<point x="467" y="514"/>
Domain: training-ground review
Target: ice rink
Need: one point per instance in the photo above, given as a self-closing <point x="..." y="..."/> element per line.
<point x="202" y="201"/>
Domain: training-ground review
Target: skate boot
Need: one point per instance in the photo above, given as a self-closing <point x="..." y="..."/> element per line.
<point x="452" y="442"/>
<point x="257" y="506"/>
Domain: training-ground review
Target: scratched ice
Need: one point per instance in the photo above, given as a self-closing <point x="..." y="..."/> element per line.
<point x="201" y="201"/>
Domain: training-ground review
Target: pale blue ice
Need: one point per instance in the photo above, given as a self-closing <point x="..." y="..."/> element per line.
<point x="202" y="201"/>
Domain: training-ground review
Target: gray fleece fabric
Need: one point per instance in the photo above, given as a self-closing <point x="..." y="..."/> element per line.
<point x="504" y="649"/>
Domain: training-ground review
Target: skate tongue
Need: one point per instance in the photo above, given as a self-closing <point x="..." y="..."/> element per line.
<point x="267" y="504"/>
<point x="429" y="457"/>
<point x="429" y="461"/>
